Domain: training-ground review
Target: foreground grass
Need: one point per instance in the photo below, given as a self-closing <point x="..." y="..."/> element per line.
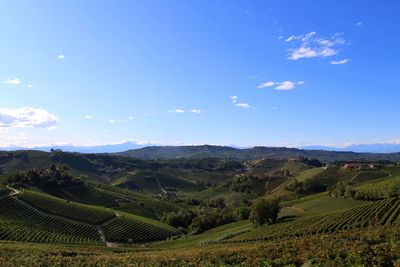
<point x="369" y="247"/>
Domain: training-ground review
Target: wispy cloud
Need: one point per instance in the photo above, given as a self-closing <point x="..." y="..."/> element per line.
<point x="61" y="57"/>
<point x="311" y="45"/>
<point x="266" y="84"/>
<point x="235" y="100"/>
<point x="178" y="110"/>
<point x="285" y="85"/>
<point x="252" y="77"/>
<point x="340" y="62"/>
<point x="359" y="24"/>
<point x="15" y="81"/>
<point x="290" y="38"/>
<point x="198" y="111"/>
<point x="242" y="105"/>
<point x="111" y="121"/>
<point x="27" y="117"/>
<point x="89" y="116"/>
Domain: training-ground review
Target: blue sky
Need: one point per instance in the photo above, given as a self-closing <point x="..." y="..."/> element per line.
<point x="247" y="73"/>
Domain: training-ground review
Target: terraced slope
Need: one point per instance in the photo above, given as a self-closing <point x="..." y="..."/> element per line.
<point x="20" y="222"/>
<point x="87" y="195"/>
<point x="383" y="212"/>
<point x="61" y="207"/>
<point x="4" y="192"/>
<point x="130" y="228"/>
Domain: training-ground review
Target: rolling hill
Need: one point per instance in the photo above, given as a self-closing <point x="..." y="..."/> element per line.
<point x="204" y="151"/>
<point x="182" y="203"/>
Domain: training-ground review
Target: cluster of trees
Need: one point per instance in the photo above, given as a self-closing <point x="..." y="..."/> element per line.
<point x="242" y="183"/>
<point x="45" y="178"/>
<point x="264" y="211"/>
<point x="209" y="215"/>
<point x="344" y="189"/>
<point x="216" y="213"/>
<point x="305" y="187"/>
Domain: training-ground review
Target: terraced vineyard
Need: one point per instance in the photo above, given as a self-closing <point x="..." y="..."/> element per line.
<point x="20" y="222"/>
<point x="131" y="228"/>
<point x="80" y="212"/>
<point x="383" y="212"/>
<point x="4" y="192"/>
<point x="87" y="195"/>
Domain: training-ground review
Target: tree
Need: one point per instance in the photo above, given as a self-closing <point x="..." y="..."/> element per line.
<point x="264" y="211"/>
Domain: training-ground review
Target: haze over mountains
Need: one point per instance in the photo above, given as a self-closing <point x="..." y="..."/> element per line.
<point x="129" y="145"/>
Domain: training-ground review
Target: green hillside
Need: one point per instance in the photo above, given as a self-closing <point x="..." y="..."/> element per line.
<point x="20" y="222"/>
<point x="206" y="151"/>
<point x="131" y="228"/>
<point x="382" y="212"/>
<point x="189" y="207"/>
<point x="62" y="207"/>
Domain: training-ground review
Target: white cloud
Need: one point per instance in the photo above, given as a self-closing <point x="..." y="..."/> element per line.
<point x="198" y="111"/>
<point x="111" y="121"/>
<point x="286" y="85"/>
<point x="178" y="110"/>
<point x="30" y="86"/>
<point x="266" y="84"/>
<point x="327" y="52"/>
<point x="313" y="46"/>
<point x="15" y="81"/>
<point x="359" y="24"/>
<point x="290" y="38"/>
<point x="130" y="118"/>
<point x="340" y="62"/>
<point x="303" y="52"/>
<point x="252" y="77"/>
<point x="233" y="98"/>
<point x="306" y="37"/>
<point x="27" y="117"/>
<point x="242" y="105"/>
<point x="90" y="116"/>
<point x="60" y="57"/>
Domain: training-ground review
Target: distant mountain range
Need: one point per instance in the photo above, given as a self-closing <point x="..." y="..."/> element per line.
<point x="360" y="148"/>
<point x="112" y="148"/>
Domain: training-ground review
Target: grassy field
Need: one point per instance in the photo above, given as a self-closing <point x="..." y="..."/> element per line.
<point x="380" y="188"/>
<point x="326" y="204"/>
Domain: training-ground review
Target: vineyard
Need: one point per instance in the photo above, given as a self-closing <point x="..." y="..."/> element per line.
<point x="131" y="228"/>
<point x="383" y="212"/>
<point x="87" y="195"/>
<point x="4" y="192"/>
<point x="80" y="212"/>
<point x="20" y="222"/>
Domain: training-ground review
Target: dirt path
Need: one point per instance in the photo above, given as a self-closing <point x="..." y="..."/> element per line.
<point x="14" y="191"/>
<point x="159" y="185"/>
